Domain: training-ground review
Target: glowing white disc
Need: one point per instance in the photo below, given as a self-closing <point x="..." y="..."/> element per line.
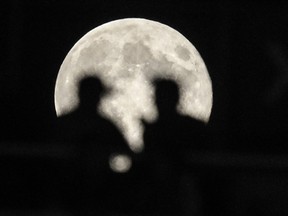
<point x="127" y="55"/>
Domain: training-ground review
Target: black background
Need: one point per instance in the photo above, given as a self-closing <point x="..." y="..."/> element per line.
<point x="244" y="46"/>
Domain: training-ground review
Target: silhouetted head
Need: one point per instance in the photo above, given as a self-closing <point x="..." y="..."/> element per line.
<point x="167" y="96"/>
<point x="90" y="91"/>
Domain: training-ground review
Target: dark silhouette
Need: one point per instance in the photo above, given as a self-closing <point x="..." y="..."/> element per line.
<point x="98" y="189"/>
<point x="166" y="143"/>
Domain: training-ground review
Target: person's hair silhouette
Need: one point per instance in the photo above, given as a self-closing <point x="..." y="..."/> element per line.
<point x="90" y="92"/>
<point x="167" y="96"/>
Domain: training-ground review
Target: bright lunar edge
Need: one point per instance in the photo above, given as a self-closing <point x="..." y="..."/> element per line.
<point x="127" y="55"/>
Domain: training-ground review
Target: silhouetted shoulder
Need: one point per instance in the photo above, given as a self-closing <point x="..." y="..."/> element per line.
<point x="194" y="132"/>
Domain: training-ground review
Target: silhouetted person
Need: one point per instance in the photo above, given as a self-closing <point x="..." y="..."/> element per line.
<point x="99" y="190"/>
<point x="166" y="142"/>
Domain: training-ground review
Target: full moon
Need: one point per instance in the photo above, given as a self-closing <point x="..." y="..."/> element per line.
<point x="127" y="55"/>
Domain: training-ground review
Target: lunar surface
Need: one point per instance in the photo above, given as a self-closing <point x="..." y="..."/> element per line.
<point x="127" y="55"/>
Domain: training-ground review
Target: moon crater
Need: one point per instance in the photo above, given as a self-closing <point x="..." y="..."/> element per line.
<point x="182" y="52"/>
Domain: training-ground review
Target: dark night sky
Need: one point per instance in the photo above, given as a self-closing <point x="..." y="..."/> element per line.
<point x="244" y="46"/>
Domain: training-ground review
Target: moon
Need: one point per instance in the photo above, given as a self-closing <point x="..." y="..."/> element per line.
<point x="127" y="55"/>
